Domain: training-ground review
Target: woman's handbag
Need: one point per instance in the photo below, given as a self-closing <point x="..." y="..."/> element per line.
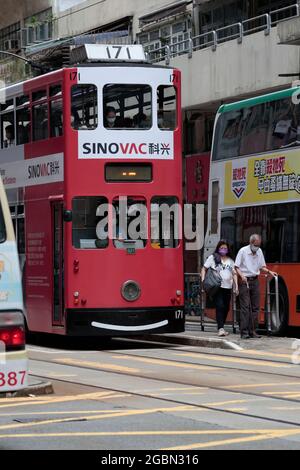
<point x="212" y="282"/>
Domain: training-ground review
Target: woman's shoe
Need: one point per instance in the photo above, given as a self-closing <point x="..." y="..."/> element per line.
<point x="222" y="332"/>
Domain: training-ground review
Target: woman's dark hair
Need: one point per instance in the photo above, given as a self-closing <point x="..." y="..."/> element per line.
<point x="216" y="253"/>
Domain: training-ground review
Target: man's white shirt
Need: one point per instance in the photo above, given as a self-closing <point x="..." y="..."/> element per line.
<point x="248" y="263"/>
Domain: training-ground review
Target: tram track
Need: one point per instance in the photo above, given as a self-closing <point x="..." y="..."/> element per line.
<point x="171" y="381"/>
<point x="225" y="353"/>
<point x="176" y="401"/>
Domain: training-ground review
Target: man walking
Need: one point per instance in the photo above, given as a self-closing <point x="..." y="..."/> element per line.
<point x="249" y="263"/>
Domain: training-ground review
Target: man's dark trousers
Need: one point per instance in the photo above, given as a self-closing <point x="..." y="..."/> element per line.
<point x="249" y="304"/>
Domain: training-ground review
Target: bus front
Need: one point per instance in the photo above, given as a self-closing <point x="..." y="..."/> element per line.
<point x="123" y="253"/>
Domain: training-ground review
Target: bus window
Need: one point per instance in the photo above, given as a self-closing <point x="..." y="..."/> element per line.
<point x="228" y="135"/>
<point x="283" y="126"/>
<point x="127" y="106"/>
<point x="130" y="225"/>
<point x="89" y="229"/>
<point x="165" y="222"/>
<point x="166" y="107"/>
<point x="40" y="121"/>
<point x="84" y="107"/>
<point x="254" y="126"/>
<point x="214" y="207"/>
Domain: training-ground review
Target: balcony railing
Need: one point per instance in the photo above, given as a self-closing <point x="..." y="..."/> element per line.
<point x="236" y="31"/>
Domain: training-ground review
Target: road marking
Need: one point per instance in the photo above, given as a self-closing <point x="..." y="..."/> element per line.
<point x="269" y="435"/>
<point x="286" y="392"/>
<point x="164" y="362"/>
<point x="93" y="418"/>
<point x="267" y="354"/>
<point x="97" y="365"/>
<point x="277" y="384"/>
<point x="46" y="400"/>
<point x="234" y="360"/>
<point x="228" y="402"/>
<point x="145" y="433"/>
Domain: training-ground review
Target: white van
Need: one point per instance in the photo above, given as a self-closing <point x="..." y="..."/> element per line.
<point x="13" y="356"/>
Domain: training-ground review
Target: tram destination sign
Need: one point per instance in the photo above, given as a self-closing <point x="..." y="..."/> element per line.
<point x="111" y="53"/>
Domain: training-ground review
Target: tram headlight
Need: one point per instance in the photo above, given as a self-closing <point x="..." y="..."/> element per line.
<point x="131" y="291"/>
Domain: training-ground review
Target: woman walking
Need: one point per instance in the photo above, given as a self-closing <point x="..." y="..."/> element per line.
<point x="222" y="262"/>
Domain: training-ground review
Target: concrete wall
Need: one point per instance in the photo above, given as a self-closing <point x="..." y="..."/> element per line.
<point x="16" y="10"/>
<point x="235" y="70"/>
<point x="92" y="14"/>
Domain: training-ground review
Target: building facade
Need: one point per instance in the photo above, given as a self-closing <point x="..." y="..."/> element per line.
<point x="226" y="50"/>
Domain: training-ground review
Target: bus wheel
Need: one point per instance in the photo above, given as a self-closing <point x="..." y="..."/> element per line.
<point x="279" y="325"/>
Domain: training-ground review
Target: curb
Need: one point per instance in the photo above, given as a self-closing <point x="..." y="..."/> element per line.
<point x="193" y="341"/>
<point x="40" y="388"/>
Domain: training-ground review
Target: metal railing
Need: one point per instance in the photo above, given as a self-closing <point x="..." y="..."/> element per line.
<point x="272" y="312"/>
<point x="235" y="31"/>
<point x="196" y="304"/>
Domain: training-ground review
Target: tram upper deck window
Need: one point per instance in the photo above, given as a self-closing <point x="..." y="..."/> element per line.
<point x="166" y="108"/>
<point x="127" y="106"/>
<point x="7" y="124"/>
<point x="84" y="107"/>
<point x="40" y="115"/>
<point x="23" y="119"/>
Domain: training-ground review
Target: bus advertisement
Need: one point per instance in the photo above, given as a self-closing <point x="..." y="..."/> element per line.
<point x="255" y="188"/>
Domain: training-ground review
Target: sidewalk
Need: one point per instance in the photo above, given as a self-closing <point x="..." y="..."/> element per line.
<point x="35" y="387"/>
<point x="193" y="336"/>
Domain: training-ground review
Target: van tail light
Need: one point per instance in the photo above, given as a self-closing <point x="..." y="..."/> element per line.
<point x="12" y="331"/>
<point x="13" y="338"/>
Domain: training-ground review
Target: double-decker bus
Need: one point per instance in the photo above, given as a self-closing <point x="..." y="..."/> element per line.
<point x="255" y="188"/>
<point x="83" y="149"/>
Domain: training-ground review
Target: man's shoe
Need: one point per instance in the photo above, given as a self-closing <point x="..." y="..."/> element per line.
<point x="245" y="337"/>
<point x="255" y="336"/>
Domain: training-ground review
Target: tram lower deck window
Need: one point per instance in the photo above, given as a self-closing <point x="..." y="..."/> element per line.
<point x="89" y="229"/>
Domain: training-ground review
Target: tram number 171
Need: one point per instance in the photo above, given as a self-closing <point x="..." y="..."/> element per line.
<point x="179" y="314"/>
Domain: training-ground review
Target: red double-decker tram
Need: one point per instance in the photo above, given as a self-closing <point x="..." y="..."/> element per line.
<point x="91" y="158"/>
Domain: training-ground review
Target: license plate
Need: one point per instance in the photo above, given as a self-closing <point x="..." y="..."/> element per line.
<point x="13" y="375"/>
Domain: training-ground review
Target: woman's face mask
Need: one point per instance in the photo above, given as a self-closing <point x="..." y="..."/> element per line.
<point x="223" y="251"/>
<point x="111" y="120"/>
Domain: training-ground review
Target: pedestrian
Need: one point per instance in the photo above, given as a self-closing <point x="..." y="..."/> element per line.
<point x="222" y="262"/>
<point x="249" y="263"/>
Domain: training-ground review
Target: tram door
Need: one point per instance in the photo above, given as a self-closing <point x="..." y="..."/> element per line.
<point x="57" y="257"/>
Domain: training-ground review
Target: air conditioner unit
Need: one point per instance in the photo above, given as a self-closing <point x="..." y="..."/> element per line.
<point x="11" y="45"/>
